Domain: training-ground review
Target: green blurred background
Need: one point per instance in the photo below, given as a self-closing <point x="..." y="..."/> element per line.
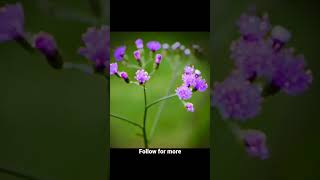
<point x="177" y="128"/>
<point x="291" y="123"/>
<point x="53" y="124"/>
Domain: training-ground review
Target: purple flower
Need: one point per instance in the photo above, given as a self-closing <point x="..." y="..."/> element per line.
<point x="280" y="36"/>
<point x="253" y="59"/>
<point x="291" y="75"/>
<point x="236" y="98"/>
<point x="158" y="58"/>
<point x="142" y="76"/>
<point x="165" y="46"/>
<point x="124" y="76"/>
<point x="255" y="143"/>
<point x="11" y="22"/>
<point x="189" y="107"/>
<point x="139" y="43"/>
<point x="197" y="73"/>
<point x="137" y="55"/>
<point x="45" y="43"/>
<point x="183" y="92"/>
<point x="113" y="68"/>
<point x="253" y="27"/>
<point x="200" y="84"/>
<point x="189" y="69"/>
<point x="176" y="45"/>
<point x="97" y="43"/>
<point x="187" y="52"/>
<point x="154" y="46"/>
<point x="119" y="53"/>
<point x="189" y="79"/>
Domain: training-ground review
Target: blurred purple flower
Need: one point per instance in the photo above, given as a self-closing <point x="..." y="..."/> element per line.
<point x="124" y="76"/>
<point x="200" y="84"/>
<point x="253" y="59"/>
<point x="165" y="46"/>
<point x="189" y="107"/>
<point x="119" y="53"/>
<point x="45" y="43"/>
<point x="113" y="68"/>
<point x="187" y="52"/>
<point x="154" y="46"/>
<point x="189" y="80"/>
<point x="183" y="92"/>
<point x="291" y="75"/>
<point x="237" y="99"/>
<point x="11" y="22"/>
<point x="255" y="143"/>
<point x="142" y="76"/>
<point x="139" y="43"/>
<point x="189" y="69"/>
<point x="280" y="36"/>
<point x="158" y="58"/>
<point x="137" y="55"/>
<point x="175" y="45"/>
<point x="252" y="27"/>
<point x="97" y="43"/>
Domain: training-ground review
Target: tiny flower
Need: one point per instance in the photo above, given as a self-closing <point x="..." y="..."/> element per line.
<point x="158" y="58"/>
<point x="237" y="98"/>
<point x="183" y="92"/>
<point x="97" y="43"/>
<point x="154" y="46"/>
<point x="197" y="73"/>
<point x="46" y="44"/>
<point x="113" y="68"/>
<point x="165" y="46"/>
<point x="253" y="27"/>
<point x="291" y="75"/>
<point x="200" y="85"/>
<point x="119" y="53"/>
<point x="187" y="52"/>
<point x="11" y="22"/>
<point x="137" y="55"/>
<point x="182" y="48"/>
<point x="255" y="143"/>
<point x="139" y="43"/>
<point x="188" y="79"/>
<point x="189" y="107"/>
<point x="175" y="46"/>
<point x="280" y="36"/>
<point x="189" y="69"/>
<point x="124" y="76"/>
<point x="142" y="76"/>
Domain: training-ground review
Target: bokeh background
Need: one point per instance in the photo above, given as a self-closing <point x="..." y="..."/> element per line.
<point x="53" y="124"/>
<point x="177" y="128"/>
<point x="291" y="123"/>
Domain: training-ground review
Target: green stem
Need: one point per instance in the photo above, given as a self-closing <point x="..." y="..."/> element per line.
<point x="17" y="174"/>
<point x="126" y="120"/>
<point x="145" y="118"/>
<point x="161" y="99"/>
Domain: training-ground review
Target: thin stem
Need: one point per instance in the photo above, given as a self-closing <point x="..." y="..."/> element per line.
<point x="145" y="118"/>
<point x="17" y="174"/>
<point x="126" y="120"/>
<point x="161" y="99"/>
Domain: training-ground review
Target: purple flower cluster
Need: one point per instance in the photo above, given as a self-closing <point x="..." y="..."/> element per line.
<point x="192" y="82"/>
<point x="237" y="98"/>
<point x="263" y="67"/>
<point x="257" y="55"/>
<point x="142" y="76"/>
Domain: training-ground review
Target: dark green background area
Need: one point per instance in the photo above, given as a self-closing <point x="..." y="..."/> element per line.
<point x="291" y="123"/>
<point x="177" y="128"/>
<point x="53" y="124"/>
